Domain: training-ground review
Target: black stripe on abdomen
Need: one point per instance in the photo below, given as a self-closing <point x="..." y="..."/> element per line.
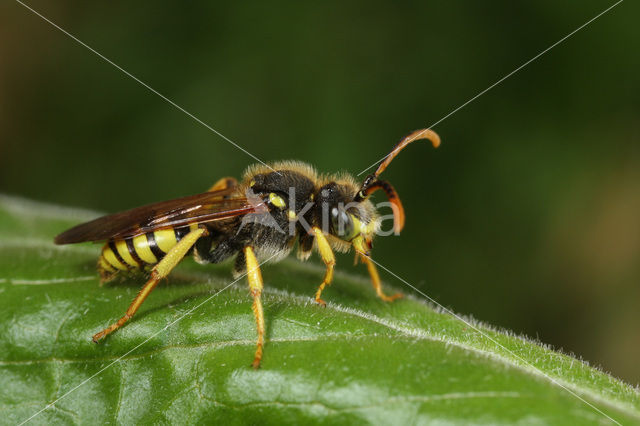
<point x="112" y="246"/>
<point x="132" y="251"/>
<point x="181" y="232"/>
<point x="157" y="252"/>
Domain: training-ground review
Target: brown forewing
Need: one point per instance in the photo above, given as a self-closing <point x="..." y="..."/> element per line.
<point x="200" y="208"/>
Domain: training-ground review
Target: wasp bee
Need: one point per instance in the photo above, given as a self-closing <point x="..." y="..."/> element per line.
<point x="258" y="219"/>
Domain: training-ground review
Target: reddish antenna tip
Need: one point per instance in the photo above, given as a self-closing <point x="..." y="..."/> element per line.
<point x="411" y="137"/>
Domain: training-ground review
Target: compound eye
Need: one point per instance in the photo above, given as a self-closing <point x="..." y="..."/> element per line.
<point x="342" y="224"/>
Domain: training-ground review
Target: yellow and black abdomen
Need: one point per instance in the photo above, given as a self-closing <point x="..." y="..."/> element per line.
<point x="140" y="252"/>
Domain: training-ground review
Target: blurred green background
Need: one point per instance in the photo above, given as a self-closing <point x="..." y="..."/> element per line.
<point x="527" y="217"/>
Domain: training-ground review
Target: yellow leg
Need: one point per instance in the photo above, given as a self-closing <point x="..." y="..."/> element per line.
<point x="255" y="286"/>
<point x="161" y="270"/>
<point x="224" y="183"/>
<point x="326" y="253"/>
<point x="375" y="281"/>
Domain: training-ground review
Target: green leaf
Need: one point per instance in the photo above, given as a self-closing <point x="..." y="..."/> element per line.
<point x="357" y="360"/>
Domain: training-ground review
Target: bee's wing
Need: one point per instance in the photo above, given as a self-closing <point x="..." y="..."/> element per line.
<point x="200" y="208"/>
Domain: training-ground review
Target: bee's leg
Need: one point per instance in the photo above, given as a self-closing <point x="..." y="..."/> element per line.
<point x="224" y="183"/>
<point x="161" y="270"/>
<point x="326" y="253"/>
<point x="255" y="286"/>
<point x="305" y="246"/>
<point x="375" y="281"/>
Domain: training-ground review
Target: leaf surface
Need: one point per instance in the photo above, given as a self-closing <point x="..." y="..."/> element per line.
<point x="357" y="360"/>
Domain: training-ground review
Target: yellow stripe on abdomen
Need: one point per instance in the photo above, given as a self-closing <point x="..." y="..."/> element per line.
<point x="102" y="263"/>
<point x="111" y="258"/>
<point x="141" y="245"/>
<point x="123" y="251"/>
<point x="165" y="239"/>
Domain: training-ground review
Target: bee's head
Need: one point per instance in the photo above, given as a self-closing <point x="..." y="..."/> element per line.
<point x="354" y="222"/>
